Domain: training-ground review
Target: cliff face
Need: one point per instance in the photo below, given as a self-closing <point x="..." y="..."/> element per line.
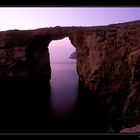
<point x="108" y="61"/>
<point x="21" y="54"/>
<point x="108" y="65"/>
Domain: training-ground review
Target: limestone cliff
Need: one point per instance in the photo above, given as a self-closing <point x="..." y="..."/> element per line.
<point x="108" y="61"/>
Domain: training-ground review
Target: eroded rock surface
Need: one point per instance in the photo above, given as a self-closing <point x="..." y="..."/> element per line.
<point x="108" y="61"/>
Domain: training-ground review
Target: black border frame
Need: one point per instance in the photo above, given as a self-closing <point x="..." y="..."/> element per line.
<point x="74" y="3"/>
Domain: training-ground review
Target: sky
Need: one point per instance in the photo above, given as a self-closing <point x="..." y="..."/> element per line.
<point x="25" y="18"/>
<point x="38" y="17"/>
<point x="61" y="50"/>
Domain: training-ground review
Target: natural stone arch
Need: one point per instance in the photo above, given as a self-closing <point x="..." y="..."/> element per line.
<point x="102" y="58"/>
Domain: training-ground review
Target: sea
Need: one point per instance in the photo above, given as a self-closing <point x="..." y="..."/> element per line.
<point x="64" y="106"/>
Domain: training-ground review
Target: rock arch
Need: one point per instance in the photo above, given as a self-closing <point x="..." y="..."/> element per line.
<point x="103" y="59"/>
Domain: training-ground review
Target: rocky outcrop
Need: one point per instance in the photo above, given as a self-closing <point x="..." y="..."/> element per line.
<point x="108" y="61"/>
<point x="108" y="65"/>
<point x="73" y="55"/>
<point x="135" y="129"/>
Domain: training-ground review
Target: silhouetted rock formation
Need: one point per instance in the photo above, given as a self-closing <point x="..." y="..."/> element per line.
<point x="108" y="61"/>
<point x="73" y="55"/>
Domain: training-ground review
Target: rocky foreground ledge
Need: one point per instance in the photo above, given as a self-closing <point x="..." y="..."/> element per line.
<point x="108" y="62"/>
<point x="134" y="130"/>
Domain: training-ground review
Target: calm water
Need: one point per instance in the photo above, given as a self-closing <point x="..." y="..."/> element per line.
<point x="64" y="89"/>
<point x="73" y="108"/>
<point x="64" y="106"/>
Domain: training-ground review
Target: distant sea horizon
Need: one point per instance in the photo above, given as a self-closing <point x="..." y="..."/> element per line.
<point x="71" y="61"/>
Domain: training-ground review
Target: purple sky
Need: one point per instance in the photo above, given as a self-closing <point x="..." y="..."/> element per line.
<point x="36" y="17"/>
<point x="60" y="50"/>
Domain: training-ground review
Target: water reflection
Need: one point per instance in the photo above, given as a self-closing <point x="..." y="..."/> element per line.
<point x="30" y="106"/>
<point x="64" y="89"/>
<point x="74" y="108"/>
